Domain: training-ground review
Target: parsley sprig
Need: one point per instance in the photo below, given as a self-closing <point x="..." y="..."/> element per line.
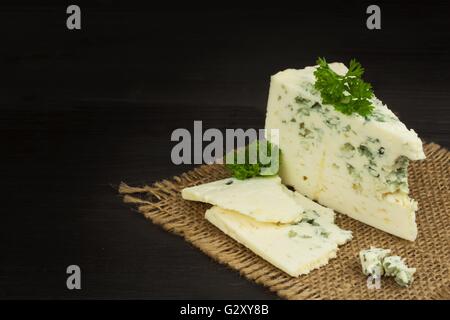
<point x="349" y="93"/>
<point x="250" y="168"/>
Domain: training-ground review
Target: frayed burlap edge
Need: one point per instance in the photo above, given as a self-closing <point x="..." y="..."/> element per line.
<point x="342" y="277"/>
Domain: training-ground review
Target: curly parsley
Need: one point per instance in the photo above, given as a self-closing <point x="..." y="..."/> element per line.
<point x="251" y="168"/>
<point x="349" y="93"/>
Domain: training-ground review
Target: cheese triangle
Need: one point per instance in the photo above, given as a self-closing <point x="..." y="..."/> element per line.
<point x="354" y="165"/>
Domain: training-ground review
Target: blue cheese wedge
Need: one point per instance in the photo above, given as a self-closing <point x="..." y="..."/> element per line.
<point x="294" y="248"/>
<point x="372" y="261"/>
<point x="264" y="199"/>
<point x="353" y="164"/>
<point x="394" y="266"/>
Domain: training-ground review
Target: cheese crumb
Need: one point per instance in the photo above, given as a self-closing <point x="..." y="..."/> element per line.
<point x="375" y="262"/>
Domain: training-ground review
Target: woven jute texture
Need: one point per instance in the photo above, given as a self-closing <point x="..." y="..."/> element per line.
<point x="342" y="277"/>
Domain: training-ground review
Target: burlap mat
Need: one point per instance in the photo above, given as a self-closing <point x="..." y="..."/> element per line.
<point x="342" y="277"/>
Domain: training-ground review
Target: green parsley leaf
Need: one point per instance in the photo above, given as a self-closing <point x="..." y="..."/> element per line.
<point x="254" y="168"/>
<point x="349" y="93"/>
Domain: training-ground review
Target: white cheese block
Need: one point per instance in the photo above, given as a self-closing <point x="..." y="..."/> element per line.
<point x="294" y="248"/>
<point x="264" y="199"/>
<point x="352" y="164"/>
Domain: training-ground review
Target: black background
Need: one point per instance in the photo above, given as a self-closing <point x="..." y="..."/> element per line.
<point x="81" y="111"/>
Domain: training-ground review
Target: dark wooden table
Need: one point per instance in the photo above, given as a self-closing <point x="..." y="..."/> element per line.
<point x="83" y="110"/>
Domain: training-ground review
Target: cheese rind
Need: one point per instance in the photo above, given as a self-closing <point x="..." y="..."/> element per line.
<point x="261" y="198"/>
<point x="354" y="165"/>
<point x="294" y="248"/>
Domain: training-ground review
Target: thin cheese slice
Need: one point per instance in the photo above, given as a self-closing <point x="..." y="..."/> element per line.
<point x="261" y="198"/>
<point x="317" y="215"/>
<point x="294" y="248"/>
<point x="355" y="165"/>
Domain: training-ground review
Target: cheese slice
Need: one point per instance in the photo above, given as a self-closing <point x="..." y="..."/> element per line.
<point x="261" y="198"/>
<point x="294" y="248"/>
<point x="322" y="217"/>
<point x="354" y="165"/>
